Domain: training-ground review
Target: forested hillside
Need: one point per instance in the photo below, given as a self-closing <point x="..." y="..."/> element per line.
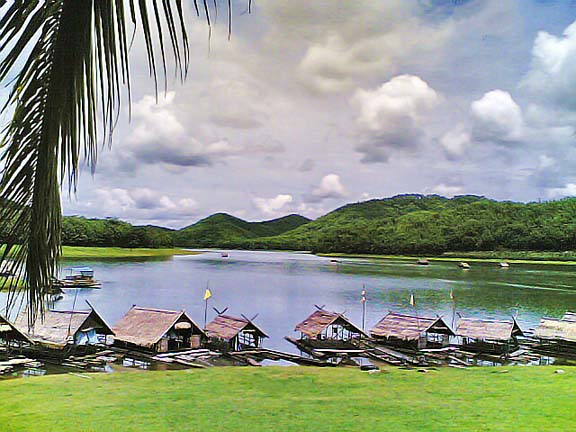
<point x="405" y="224"/>
<point x="415" y="224"/>
<point x="224" y="230"/>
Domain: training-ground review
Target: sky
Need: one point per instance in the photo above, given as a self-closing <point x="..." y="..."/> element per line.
<point x="314" y="104"/>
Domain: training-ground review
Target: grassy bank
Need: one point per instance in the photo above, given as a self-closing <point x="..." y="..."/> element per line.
<point x="77" y="252"/>
<point x="557" y="258"/>
<point x="294" y="399"/>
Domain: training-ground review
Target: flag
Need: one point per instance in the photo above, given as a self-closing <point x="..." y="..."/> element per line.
<point x="412" y="301"/>
<point x="451" y="295"/>
<point x="207" y="294"/>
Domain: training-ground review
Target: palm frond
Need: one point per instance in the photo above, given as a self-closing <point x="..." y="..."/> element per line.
<point x="71" y="59"/>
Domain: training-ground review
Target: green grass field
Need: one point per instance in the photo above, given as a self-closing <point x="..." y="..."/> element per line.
<point x="294" y="399"/>
<point x="77" y="252"/>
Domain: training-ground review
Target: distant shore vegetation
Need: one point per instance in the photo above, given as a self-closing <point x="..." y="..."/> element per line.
<point x="463" y="226"/>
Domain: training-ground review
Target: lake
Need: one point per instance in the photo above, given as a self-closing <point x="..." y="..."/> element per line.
<point x="282" y="288"/>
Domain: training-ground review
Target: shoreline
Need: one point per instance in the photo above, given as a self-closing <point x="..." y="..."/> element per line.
<point x="488" y="260"/>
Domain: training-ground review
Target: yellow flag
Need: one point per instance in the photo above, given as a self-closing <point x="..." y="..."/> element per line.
<point x="207" y="294"/>
<point x="412" y="301"/>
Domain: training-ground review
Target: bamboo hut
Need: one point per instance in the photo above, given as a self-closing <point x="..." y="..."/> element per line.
<point x="325" y="329"/>
<point x="558" y="334"/>
<point x="228" y="333"/>
<point x="11" y="336"/>
<point x="58" y="329"/>
<point x="488" y="336"/>
<point x="157" y="330"/>
<point x="412" y="332"/>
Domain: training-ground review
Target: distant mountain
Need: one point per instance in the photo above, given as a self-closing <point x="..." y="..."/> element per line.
<point x="224" y="230"/>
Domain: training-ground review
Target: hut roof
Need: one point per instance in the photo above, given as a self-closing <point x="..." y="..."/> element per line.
<point x="58" y="327"/>
<point x="408" y="327"/>
<point x="557" y="329"/>
<point x="487" y="329"/>
<point x="320" y="319"/>
<point x="6" y="327"/>
<point x="226" y="327"/>
<point x="146" y="326"/>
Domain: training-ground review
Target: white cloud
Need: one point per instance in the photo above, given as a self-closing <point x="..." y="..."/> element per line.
<point x="568" y="190"/>
<point x="456" y="141"/>
<point x="497" y="117"/>
<point x="446" y="190"/>
<point x="272" y="206"/>
<point x="330" y="187"/>
<point x="392" y="116"/>
<point x="551" y="77"/>
<point x="140" y="204"/>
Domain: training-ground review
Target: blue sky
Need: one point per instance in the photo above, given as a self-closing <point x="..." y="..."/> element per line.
<point x="312" y="105"/>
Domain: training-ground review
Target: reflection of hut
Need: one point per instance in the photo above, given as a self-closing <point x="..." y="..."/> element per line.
<point x="10" y="336"/>
<point x="558" y="334"/>
<point x="488" y="336"/>
<point x="56" y="329"/>
<point x="157" y="330"/>
<point x="324" y="329"/>
<point x="234" y="334"/>
<point x="412" y="332"/>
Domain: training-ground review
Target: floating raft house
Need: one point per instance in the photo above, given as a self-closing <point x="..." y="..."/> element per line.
<point x="11" y="336"/>
<point x="57" y="329"/>
<point x="234" y="334"/>
<point x="157" y="330"/>
<point x="559" y="333"/>
<point x="412" y="332"/>
<point x="325" y="329"/>
<point x="488" y="336"/>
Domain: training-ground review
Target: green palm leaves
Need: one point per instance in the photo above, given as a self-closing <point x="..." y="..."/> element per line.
<point x="68" y="63"/>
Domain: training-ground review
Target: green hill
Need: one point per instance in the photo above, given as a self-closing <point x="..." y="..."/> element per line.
<point x="417" y="224"/>
<point x="224" y="230"/>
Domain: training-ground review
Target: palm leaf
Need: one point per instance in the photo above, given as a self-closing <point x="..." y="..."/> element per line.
<point x="71" y="63"/>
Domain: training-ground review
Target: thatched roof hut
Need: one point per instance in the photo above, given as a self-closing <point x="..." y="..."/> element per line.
<point x="157" y="330"/>
<point x="561" y="331"/>
<point x="9" y="333"/>
<point x="400" y="329"/>
<point x="483" y="335"/>
<point x="323" y="324"/>
<point x="57" y="329"/>
<point x="237" y="333"/>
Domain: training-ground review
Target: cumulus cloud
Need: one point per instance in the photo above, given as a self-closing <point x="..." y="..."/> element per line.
<point x="140" y="204"/>
<point x="272" y="206"/>
<point x="497" y="117"/>
<point x="158" y="136"/>
<point x="392" y="116"/>
<point x="330" y="187"/>
<point x="353" y="40"/>
<point x="446" y="190"/>
<point x="455" y="142"/>
<point x="562" y="192"/>
<point x="551" y="76"/>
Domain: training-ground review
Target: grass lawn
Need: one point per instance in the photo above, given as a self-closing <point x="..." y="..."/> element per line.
<point x="294" y="399"/>
<point x="77" y="252"/>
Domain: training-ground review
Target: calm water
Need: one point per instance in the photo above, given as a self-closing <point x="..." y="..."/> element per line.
<point x="282" y="288"/>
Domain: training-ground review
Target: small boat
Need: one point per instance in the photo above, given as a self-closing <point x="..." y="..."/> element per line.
<point x="464" y="265"/>
<point x="335" y="261"/>
<point x="423" y="262"/>
<point x="503" y="265"/>
<point x="224" y="255"/>
<point x="79" y="277"/>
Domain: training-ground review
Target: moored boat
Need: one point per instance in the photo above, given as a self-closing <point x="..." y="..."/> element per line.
<point x="79" y="277"/>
